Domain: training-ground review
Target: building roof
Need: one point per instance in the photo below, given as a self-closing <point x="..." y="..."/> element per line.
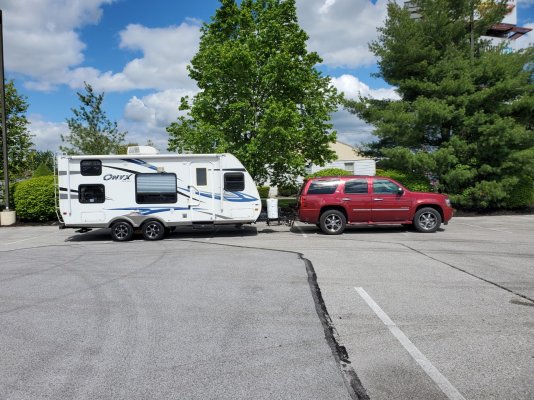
<point x="507" y="31"/>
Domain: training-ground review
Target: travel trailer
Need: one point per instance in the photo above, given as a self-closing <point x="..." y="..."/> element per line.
<point x="153" y="193"/>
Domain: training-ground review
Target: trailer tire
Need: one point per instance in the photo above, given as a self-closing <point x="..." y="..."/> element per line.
<point x="121" y="231"/>
<point x="153" y="230"/>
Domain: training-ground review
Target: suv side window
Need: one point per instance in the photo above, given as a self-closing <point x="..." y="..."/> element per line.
<point x="383" y="186"/>
<point x="323" y="187"/>
<point x="356" y="186"/>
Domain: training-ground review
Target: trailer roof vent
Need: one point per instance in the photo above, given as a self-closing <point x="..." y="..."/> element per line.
<point x="142" y="150"/>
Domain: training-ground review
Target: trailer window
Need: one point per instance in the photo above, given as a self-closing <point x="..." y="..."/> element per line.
<point x="155" y="188"/>
<point x="202" y="177"/>
<point x="234" y="181"/>
<point x="91" y="167"/>
<point x="91" y="194"/>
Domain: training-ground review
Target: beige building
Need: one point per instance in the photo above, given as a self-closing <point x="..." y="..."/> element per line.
<point x="349" y="159"/>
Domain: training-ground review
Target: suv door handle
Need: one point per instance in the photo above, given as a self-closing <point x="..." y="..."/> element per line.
<point x="378" y="199"/>
<point x="345" y="199"/>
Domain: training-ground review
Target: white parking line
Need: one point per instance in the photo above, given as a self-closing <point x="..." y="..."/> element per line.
<point x="301" y="231"/>
<point x="450" y="391"/>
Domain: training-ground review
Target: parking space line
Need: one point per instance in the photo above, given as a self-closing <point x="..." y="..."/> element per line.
<point x="443" y="383"/>
<point x="301" y="231"/>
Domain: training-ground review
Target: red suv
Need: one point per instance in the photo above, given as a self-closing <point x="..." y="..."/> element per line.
<point x="333" y="202"/>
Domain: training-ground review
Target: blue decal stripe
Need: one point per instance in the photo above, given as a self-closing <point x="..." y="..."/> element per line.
<point x="138" y="161"/>
<point x="147" y="211"/>
<point x="235" y="197"/>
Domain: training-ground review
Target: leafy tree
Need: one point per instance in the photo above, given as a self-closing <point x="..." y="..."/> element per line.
<point x="19" y="139"/>
<point x="36" y="158"/>
<point x="466" y="113"/>
<point x="91" y="132"/>
<point x="260" y="96"/>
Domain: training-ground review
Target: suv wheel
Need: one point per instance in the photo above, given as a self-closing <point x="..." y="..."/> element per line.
<point x="427" y="220"/>
<point x="332" y="222"/>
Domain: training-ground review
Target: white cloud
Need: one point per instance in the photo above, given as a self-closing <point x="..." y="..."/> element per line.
<point x="166" y="54"/>
<point x="147" y="117"/>
<point x="46" y="134"/>
<point x="41" y="40"/>
<point x="42" y="43"/>
<point x="340" y="30"/>
<point x="352" y="87"/>
<point x="351" y="129"/>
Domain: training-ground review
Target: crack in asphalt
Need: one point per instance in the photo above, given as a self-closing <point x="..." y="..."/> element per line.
<point x="350" y="378"/>
<point x="468" y="273"/>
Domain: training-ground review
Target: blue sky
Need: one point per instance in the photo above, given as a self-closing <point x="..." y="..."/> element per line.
<point x="136" y="52"/>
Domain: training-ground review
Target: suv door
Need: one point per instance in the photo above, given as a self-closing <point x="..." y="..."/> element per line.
<point x="389" y="203"/>
<point x="357" y="200"/>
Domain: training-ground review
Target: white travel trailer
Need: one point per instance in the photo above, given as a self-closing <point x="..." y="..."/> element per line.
<point x="154" y="192"/>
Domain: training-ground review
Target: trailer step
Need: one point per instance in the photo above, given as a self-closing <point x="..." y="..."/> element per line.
<point x="203" y="225"/>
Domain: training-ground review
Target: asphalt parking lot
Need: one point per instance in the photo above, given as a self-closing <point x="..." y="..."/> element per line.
<point x="270" y="312"/>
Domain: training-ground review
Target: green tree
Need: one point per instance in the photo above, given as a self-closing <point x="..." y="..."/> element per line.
<point x="37" y="158"/>
<point x="466" y="113"/>
<point x="260" y="97"/>
<point x="42" y="170"/>
<point x="19" y="139"/>
<point x="91" y="132"/>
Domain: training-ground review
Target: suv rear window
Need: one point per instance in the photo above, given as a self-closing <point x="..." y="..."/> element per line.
<point x="323" y="187"/>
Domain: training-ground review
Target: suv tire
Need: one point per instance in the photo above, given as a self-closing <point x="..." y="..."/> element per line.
<point x="427" y="220"/>
<point x="333" y="222"/>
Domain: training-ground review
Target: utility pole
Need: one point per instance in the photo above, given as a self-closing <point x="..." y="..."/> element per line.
<point x="3" y="110"/>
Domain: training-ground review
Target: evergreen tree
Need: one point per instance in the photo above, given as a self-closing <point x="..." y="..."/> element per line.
<point x="91" y="132"/>
<point x="466" y="113"/>
<point x="36" y="158"/>
<point x="260" y="96"/>
<point x="19" y="139"/>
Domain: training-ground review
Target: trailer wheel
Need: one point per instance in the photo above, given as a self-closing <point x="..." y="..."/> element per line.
<point x="121" y="231"/>
<point x="153" y="230"/>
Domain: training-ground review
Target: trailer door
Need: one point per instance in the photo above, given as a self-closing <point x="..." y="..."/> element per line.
<point x="203" y="191"/>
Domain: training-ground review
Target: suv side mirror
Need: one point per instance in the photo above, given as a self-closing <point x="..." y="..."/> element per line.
<point x="400" y="191"/>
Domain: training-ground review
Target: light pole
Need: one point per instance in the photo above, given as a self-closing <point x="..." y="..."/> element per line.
<point x="8" y="217"/>
<point x="3" y="110"/>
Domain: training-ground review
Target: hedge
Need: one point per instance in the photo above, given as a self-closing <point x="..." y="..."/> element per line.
<point x="263" y="191"/>
<point x="34" y="199"/>
<point x="330" y="172"/>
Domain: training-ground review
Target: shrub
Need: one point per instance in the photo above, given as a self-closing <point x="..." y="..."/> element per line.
<point x="264" y="191"/>
<point x="522" y="194"/>
<point x="330" y="172"/>
<point x="415" y="183"/>
<point x="34" y="199"/>
<point x="288" y="190"/>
